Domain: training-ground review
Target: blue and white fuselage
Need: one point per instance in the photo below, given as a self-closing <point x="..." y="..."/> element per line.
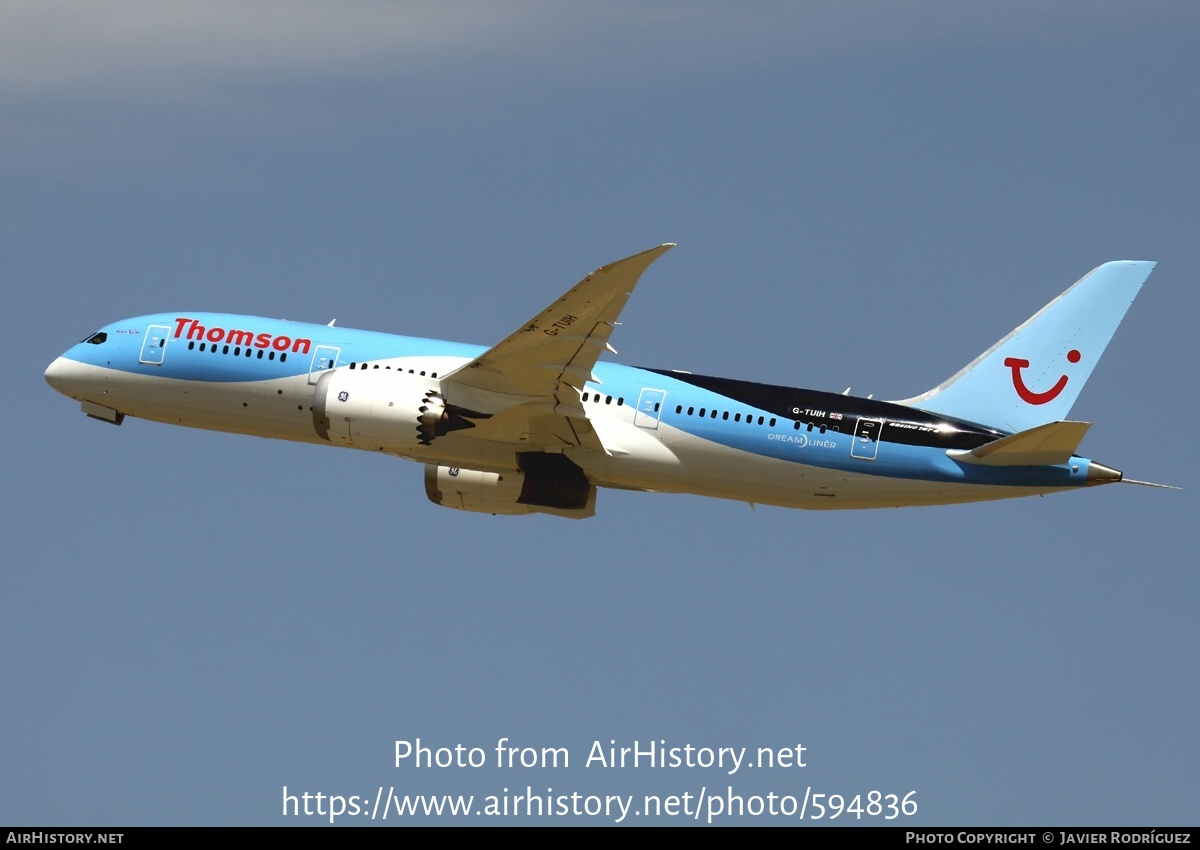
<point x="536" y="423"/>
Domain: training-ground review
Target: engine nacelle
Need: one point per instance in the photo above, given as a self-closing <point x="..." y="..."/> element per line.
<point x="545" y="484"/>
<point x="381" y="409"/>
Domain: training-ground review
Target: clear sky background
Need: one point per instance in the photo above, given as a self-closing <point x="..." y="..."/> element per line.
<point x="864" y="194"/>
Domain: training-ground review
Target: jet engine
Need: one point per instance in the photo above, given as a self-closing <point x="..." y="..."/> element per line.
<point x="543" y="484"/>
<point x="382" y="409"/>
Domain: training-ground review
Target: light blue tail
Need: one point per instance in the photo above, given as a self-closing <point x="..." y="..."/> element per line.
<point x="1033" y="375"/>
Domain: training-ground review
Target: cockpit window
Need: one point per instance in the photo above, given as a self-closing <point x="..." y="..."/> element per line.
<point x="97" y="338"/>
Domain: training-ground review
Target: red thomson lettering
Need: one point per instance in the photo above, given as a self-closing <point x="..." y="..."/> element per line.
<point x="196" y="331"/>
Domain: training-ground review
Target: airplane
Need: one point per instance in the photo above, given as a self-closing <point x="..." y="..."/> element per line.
<point x="536" y="424"/>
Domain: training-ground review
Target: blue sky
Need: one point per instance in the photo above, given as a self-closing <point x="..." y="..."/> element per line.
<point x="865" y="194"/>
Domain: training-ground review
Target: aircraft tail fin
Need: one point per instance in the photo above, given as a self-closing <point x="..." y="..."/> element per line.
<point x="1033" y="376"/>
<point x="1044" y="445"/>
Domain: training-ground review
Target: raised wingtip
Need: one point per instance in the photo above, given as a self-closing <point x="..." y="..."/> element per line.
<point x="642" y="258"/>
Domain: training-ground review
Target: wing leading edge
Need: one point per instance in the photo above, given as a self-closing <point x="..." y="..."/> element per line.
<point x="531" y="380"/>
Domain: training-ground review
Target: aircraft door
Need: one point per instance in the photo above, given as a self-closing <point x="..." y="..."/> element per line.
<point x="866" y="439"/>
<point x="154" y="347"/>
<point x="649" y="408"/>
<point x="324" y="359"/>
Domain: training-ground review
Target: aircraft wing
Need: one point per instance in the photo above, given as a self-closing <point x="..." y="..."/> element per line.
<point x="561" y="344"/>
<point x="533" y="377"/>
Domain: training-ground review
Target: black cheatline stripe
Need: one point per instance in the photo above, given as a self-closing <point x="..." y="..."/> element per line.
<point x="905" y="425"/>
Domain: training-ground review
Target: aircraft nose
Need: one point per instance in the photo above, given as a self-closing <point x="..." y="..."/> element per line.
<point x="53" y="374"/>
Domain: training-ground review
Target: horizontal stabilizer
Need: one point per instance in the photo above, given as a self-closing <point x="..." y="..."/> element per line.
<point x="1045" y="445"/>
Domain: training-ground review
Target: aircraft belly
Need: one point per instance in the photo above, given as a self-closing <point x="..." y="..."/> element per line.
<point x="706" y="468"/>
<point x="278" y="408"/>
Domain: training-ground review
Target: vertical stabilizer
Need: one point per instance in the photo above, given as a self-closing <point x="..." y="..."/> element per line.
<point x="1033" y="375"/>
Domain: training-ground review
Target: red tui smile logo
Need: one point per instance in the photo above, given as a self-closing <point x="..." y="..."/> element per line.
<point x="1028" y="395"/>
